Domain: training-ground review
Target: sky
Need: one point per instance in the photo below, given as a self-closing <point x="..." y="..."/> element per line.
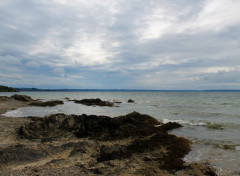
<point x="120" y="44"/>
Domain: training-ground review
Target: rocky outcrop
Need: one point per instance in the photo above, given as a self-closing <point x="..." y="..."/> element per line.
<point x="24" y="98"/>
<point x="130" y="101"/>
<point x="141" y="129"/>
<point x="31" y="102"/>
<point x="133" y="144"/>
<point x="97" y="127"/>
<point x="94" y="102"/>
<point x="46" y="103"/>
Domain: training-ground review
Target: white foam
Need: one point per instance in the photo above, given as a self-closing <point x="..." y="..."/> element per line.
<point x="180" y="121"/>
<point x="237" y="148"/>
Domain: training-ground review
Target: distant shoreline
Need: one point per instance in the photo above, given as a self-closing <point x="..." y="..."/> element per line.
<point x="119" y="90"/>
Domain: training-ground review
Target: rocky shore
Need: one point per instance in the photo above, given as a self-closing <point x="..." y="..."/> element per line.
<point x="59" y="144"/>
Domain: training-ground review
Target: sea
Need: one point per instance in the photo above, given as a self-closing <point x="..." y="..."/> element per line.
<point x="210" y="119"/>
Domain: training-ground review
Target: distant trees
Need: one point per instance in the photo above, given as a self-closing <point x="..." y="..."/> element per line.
<point x="7" y="89"/>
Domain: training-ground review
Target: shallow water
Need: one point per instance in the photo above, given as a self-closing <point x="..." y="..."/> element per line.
<point x="210" y="119"/>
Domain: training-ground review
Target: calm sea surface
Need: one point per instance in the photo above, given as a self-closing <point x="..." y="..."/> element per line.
<point x="211" y="119"/>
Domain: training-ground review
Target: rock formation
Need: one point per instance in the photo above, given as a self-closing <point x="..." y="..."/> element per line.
<point x="94" y="102"/>
<point x="46" y="103"/>
<point x="24" y="98"/>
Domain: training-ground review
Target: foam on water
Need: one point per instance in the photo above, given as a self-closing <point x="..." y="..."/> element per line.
<point x="182" y="122"/>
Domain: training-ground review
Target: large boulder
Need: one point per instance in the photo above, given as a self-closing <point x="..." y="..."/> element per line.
<point x="24" y="98"/>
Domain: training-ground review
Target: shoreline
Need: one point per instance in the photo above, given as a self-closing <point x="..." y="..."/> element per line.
<point x="71" y="155"/>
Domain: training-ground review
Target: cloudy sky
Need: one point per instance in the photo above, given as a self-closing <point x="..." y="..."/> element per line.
<point x="137" y="44"/>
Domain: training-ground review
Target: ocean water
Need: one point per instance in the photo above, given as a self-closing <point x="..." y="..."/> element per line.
<point x="210" y="119"/>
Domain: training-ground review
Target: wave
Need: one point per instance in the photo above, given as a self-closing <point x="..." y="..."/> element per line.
<point x="183" y="122"/>
<point x="211" y="125"/>
<point x="228" y="146"/>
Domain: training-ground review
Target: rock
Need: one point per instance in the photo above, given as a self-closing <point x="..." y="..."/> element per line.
<point x="133" y="144"/>
<point x="92" y="102"/>
<point x="118" y="102"/>
<point x="198" y="169"/>
<point x="24" y="98"/>
<point x="96" y="127"/>
<point x="46" y="103"/>
<point x="130" y="101"/>
<point x="176" y="148"/>
<point x="170" y="125"/>
<point x="113" y="152"/>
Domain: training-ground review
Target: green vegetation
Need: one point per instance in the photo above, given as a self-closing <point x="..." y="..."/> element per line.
<point x="7" y="89"/>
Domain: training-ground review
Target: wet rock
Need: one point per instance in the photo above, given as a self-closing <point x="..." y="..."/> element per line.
<point x="94" y="102"/>
<point x="46" y="103"/>
<point x="24" y="98"/>
<point x="170" y="125"/>
<point x="130" y="101"/>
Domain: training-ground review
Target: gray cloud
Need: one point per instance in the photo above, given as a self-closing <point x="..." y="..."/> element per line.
<point x="120" y="44"/>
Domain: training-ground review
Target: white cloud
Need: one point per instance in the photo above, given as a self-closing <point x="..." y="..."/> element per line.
<point x="162" y="44"/>
<point x="214" y="15"/>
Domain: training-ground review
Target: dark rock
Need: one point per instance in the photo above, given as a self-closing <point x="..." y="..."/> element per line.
<point x="170" y="125"/>
<point x="46" y="103"/>
<point x="129" y="140"/>
<point x="97" y="127"/>
<point x="95" y="171"/>
<point x="118" y="102"/>
<point x="93" y="101"/>
<point x="130" y="101"/>
<point x="113" y="152"/>
<point x="34" y="118"/>
<point x="177" y="148"/>
<point x="204" y="168"/>
<point x="24" y="98"/>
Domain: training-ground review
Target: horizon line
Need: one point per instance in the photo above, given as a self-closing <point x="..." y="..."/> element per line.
<point x="89" y="89"/>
